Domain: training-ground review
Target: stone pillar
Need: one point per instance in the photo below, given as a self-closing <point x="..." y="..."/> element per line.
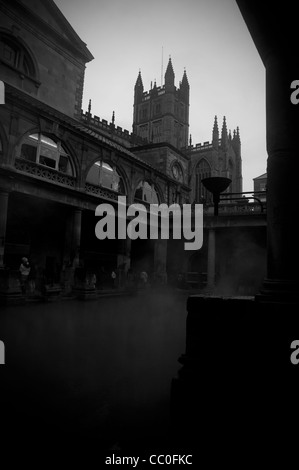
<point x="127" y="257"/>
<point x="282" y="181"/>
<point x="211" y="259"/>
<point x="68" y="239"/>
<point x="10" y="289"/>
<point x="3" y="220"/>
<point x="77" y="236"/>
<point x="71" y="257"/>
<point x="123" y="261"/>
<point x="67" y="274"/>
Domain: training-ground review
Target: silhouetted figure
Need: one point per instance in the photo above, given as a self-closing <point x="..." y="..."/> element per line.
<point x="113" y="279"/>
<point x="143" y="279"/>
<point x="24" y="273"/>
<point x="181" y="281"/>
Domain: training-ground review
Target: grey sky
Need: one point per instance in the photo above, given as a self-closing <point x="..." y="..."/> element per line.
<point x="207" y="37"/>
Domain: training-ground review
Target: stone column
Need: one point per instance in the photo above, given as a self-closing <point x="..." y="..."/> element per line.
<point x="67" y="273"/>
<point x="76" y="241"/>
<point x="3" y="220"/>
<point x="123" y="260"/>
<point x="282" y="181"/>
<point x="71" y="257"/>
<point x="68" y="238"/>
<point x="211" y="259"/>
<point x="10" y="290"/>
<point x="127" y="259"/>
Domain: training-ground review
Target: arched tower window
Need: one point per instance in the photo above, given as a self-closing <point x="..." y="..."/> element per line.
<point x="230" y="174"/>
<point x="104" y="175"/>
<point x="41" y="149"/>
<point x="203" y="170"/>
<point x="146" y="192"/>
<point x="14" y="55"/>
<point x="177" y="172"/>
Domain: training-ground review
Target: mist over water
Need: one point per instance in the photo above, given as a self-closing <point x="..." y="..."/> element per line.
<point x="241" y="261"/>
<point x="101" y="368"/>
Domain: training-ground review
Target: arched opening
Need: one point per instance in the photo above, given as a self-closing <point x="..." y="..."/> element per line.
<point x="203" y="170"/>
<point x="146" y="192"/>
<point x="16" y="56"/>
<point x="103" y="174"/>
<point x="41" y="149"/>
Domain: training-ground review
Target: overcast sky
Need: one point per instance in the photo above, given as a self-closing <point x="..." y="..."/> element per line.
<point x="207" y="37"/>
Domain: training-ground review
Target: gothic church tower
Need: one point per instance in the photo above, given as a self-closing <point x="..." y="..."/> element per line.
<point x="162" y="114"/>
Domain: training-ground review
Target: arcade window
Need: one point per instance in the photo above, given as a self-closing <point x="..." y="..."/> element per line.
<point x="41" y="149"/>
<point x="105" y="175"/>
<point x="146" y="192"/>
<point x="14" y="55"/>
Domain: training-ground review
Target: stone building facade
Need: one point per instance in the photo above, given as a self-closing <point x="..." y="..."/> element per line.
<point x="57" y="164"/>
<point x="220" y="157"/>
<point x="161" y="115"/>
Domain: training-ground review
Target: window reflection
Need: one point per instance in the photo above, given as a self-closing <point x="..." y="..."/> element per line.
<point x="146" y="192"/>
<point x="41" y="149"/>
<point x="103" y="174"/>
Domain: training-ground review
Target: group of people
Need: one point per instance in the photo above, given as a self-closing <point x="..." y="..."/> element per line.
<point x="133" y="279"/>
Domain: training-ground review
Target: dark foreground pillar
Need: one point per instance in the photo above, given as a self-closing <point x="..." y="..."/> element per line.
<point x="235" y="396"/>
<point x="10" y="289"/>
<point x="282" y="283"/>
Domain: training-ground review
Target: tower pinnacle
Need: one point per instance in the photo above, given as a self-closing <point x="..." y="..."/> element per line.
<point x="224" y="137"/>
<point x="169" y="76"/>
<point x="138" y="90"/>
<point x="139" y="81"/>
<point x="215" y="136"/>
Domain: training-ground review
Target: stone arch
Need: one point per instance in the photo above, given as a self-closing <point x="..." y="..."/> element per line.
<point x="141" y="184"/>
<point x="98" y="174"/>
<point x="73" y="153"/>
<point x="46" y="149"/>
<point x="202" y="170"/>
<point x="19" y="55"/>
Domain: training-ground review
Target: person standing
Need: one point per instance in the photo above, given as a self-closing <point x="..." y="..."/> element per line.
<point x="24" y="272"/>
<point x="113" y="279"/>
<point x="144" y="279"/>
